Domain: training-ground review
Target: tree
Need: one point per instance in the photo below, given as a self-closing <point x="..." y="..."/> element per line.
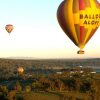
<point x="28" y="88"/>
<point x="70" y="83"/>
<point x="18" y="86"/>
<point x="85" y="86"/>
<point x="11" y="95"/>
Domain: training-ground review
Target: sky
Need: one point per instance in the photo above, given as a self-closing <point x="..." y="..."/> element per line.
<point x="37" y="32"/>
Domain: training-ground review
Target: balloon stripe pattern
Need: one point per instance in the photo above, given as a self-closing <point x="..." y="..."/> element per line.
<point x="82" y="28"/>
<point x="62" y="22"/>
<point x="79" y="19"/>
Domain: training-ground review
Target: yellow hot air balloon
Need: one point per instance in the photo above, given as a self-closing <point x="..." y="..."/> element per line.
<point x="9" y="28"/>
<point x="79" y="19"/>
<point x="20" y="70"/>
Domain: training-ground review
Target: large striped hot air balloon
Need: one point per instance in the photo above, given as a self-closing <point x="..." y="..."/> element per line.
<point x="79" y="19"/>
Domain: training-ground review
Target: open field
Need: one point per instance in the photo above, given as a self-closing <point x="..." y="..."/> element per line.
<point x="40" y="96"/>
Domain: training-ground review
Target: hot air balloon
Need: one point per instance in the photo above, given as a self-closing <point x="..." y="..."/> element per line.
<point x="9" y="28"/>
<point x="20" y="70"/>
<point x="79" y="19"/>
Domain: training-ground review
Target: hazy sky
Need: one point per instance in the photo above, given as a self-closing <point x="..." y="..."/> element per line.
<point x="37" y="32"/>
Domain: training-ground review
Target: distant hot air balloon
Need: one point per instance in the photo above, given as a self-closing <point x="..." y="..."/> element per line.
<point x="79" y="19"/>
<point x="20" y="70"/>
<point x="9" y="28"/>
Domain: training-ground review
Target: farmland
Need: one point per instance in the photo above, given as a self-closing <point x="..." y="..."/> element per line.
<point x="57" y="79"/>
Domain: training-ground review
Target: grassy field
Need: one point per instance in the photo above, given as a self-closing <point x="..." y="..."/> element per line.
<point x="55" y="96"/>
<point x="40" y="96"/>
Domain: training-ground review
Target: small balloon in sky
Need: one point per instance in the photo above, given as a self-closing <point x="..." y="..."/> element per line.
<point x="79" y="19"/>
<point x="9" y="28"/>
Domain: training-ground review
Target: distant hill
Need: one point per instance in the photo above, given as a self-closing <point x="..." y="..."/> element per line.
<point x="21" y="58"/>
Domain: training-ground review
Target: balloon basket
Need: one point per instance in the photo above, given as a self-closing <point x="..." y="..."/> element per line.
<point x="80" y="52"/>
